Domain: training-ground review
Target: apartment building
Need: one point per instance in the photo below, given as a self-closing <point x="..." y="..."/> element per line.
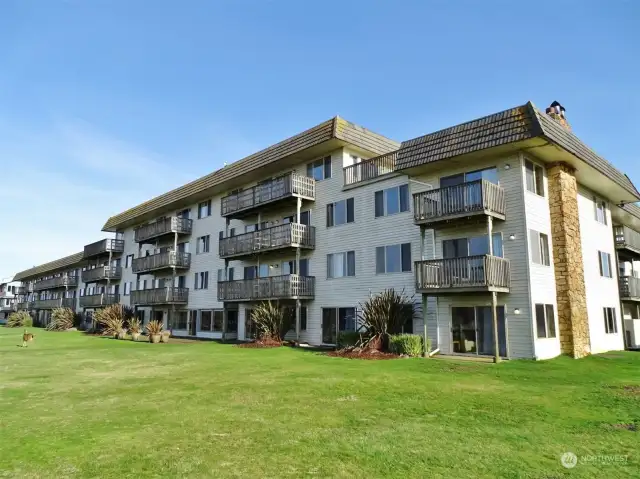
<point x="507" y="231"/>
<point x="8" y="291"/>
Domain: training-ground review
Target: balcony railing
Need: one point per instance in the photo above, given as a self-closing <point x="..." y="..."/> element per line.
<point x="54" y="303"/>
<point x="170" y="295"/>
<point x="626" y="238"/>
<point x="471" y="273"/>
<point x="290" y="235"/>
<point x="287" y="186"/>
<point x="290" y="286"/>
<point x="97" y="300"/>
<point x="479" y="197"/>
<point x="104" y="246"/>
<point x="101" y="273"/>
<point x="161" y="261"/>
<point x="24" y="306"/>
<point x="629" y="287"/>
<point x="21" y="290"/>
<point x="59" y="282"/>
<point x="370" y="169"/>
<point x="162" y="227"/>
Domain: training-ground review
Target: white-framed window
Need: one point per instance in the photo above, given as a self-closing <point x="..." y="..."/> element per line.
<point x="391" y="201"/>
<point x="545" y="321"/>
<point x="127" y="288"/>
<point x="393" y="258"/>
<point x="604" y="259"/>
<point x="534" y="178"/>
<point x="340" y="265"/>
<point x="204" y="209"/>
<point x="201" y="280"/>
<point x="340" y="212"/>
<point x="601" y="210"/>
<point x="610" y="323"/>
<point x="202" y="246"/>
<point x="128" y="261"/>
<point x="539" y="248"/>
<point x="320" y="169"/>
<point x="211" y="321"/>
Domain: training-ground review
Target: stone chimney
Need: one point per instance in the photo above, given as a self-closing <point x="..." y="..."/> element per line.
<point x="557" y="112"/>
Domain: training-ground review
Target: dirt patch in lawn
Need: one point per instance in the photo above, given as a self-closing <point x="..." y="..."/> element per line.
<point x="370" y="354"/>
<point x="626" y="426"/>
<point x="262" y="343"/>
<point x="631" y="389"/>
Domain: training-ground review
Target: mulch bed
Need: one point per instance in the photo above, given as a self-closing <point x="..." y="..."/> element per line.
<point x="263" y="343"/>
<point x="370" y="354"/>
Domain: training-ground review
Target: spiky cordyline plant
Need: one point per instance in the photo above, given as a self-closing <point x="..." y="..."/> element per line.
<point x="154" y="327"/>
<point x="111" y="318"/>
<point x="61" y="319"/>
<point x="271" y="321"/>
<point x="385" y="314"/>
<point x="135" y="326"/>
<point x="19" y="319"/>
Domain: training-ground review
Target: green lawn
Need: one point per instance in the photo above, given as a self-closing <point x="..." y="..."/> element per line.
<point x="79" y="406"/>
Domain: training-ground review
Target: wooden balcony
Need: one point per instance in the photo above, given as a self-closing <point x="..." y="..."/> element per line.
<point x="160" y="261"/>
<point x="21" y="290"/>
<point x="482" y="273"/>
<point x="291" y="235"/>
<point x="163" y="227"/>
<point x="459" y="203"/>
<point x="627" y="239"/>
<point x="629" y="288"/>
<point x="54" y="303"/>
<point x="284" y="188"/>
<point x="104" y="247"/>
<point x="156" y="296"/>
<point x="101" y="273"/>
<point x="290" y="286"/>
<point x="59" y="282"/>
<point x="370" y="169"/>
<point x="24" y="306"/>
<point x="99" y="300"/>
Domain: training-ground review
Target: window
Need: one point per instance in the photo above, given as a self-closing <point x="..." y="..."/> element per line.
<point x="545" y="321"/>
<point x="206" y="321"/>
<point x="305" y="218"/>
<point x="473" y="246"/>
<point x="180" y="320"/>
<point x="610" y="323"/>
<point x="185" y="214"/>
<point x="201" y="280"/>
<point x="320" y="169"/>
<point x="601" y="210"/>
<point x="605" y="264"/>
<point x="393" y="259"/>
<point x="340" y="212"/>
<point x="218" y="320"/>
<point x="539" y="248"/>
<point x="392" y="200"/>
<point x="127" y="288"/>
<point x="341" y="264"/>
<point x="534" y="177"/>
<point x="221" y="275"/>
<point x="202" y="246"/>
<point x="290" y="314"/>
<point x="289" y="267"/>
<point x="204" y="209"/>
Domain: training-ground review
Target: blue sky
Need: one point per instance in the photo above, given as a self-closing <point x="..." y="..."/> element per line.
<point x="106" y="103"/>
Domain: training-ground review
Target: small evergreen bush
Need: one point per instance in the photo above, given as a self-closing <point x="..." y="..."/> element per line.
<point x="409" y="344"/>
<point x="348" y="338"/>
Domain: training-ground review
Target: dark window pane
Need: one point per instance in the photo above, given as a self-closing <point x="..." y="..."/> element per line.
<point x="350" y="212"/>
<point x="540" y="321"/>
<point x="305" y="218"/>
<point x="340" y="212"/>
<point x="380" y="259"/>
<point x="327" y="167"/>
<point x="539" y="177"/>
<point x="347" y="319"/>
<point x="230" y="274"/>
<point x="551" y="323"/>
<point x="304" y="267"/>
<point x="404" y="197"/>
<point x="329" y="266"/>
<point x="303" y="318"/>
<point x="534" y="241"/>
<point x="330" y="215"/>
<point x="310" y="170"/>
<point x="351" y="263"/>
<point x="406" y="256"/>
<point x="393" y="263"/>
<point x="392" y="200"/>
<point x="379" y="203"/>
<point x="531" y="186"/>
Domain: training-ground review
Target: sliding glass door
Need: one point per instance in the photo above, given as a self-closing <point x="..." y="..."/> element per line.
<point x="472" y="330"/>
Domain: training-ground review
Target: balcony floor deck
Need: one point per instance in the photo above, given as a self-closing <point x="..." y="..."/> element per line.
<point x="459" y="218"/>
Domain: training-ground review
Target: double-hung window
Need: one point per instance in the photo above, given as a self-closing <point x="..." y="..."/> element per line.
<point x="393" y="258"/>
<point x="204" y="209"/>
<point x="340" y="212"/>
<point x="601" y="210"/>
<point x="320" y="169"/>
<point x="610" y="323"/>
<point x="341" y="264"/>
<point x="605" y="264"/>
<point x="202" y="246"/>
<point x="545" y="321"/>
<point x="391" y="201"/>
<point x="539" y="243"/>
<point x="201" y="280"/>
<point x="534" y="178"/>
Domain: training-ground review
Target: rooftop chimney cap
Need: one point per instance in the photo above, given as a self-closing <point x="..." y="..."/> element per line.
<point x="556" y="107"/>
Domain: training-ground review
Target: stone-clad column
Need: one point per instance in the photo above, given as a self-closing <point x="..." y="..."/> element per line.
<point x="568" y="263"/>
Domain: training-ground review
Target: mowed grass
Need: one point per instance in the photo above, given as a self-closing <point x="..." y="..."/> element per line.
<point x="80" y="406"/>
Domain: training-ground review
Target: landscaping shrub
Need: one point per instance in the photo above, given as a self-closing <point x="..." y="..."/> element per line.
<point x="409" y="344"/>
<point x="270" y="321"/>
<point x="348" y="338"/>
<point x="61" y="319"/>
<point x="384" y="314"/>
<point x="19" y="319"/>
<point x="111" y="320"/>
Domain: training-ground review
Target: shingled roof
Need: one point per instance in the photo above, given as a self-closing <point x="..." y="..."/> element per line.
<point x="336" y="128"/>
<point x="509" y="126"/>
<point x="65" y="262"/>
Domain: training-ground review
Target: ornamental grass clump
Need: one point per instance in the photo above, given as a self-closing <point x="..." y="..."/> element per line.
<point x="61" y="319"/>
<point x="19" y="319"/>
<point x="111" y="320"/>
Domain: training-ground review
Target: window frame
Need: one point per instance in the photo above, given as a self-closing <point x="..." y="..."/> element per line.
<point x="602" y="203"/>
<point x="380" y="198"/>
<point x="206" y="244"/>
<point x="610" y="315"/>
<point x="325" y="163"/>
<point x="202" y="204"/>
<point x="201" y="313"/>
<point x="201" y="278"/>
<point x="331" y="212"/>
<point x="541" y="248"/>
<point x="403" y="247"/>
<point x="601" y="255"/>
<point x="345" y="263"/>
<point x="538" y="180"/>
<point x="548" y="321"/>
